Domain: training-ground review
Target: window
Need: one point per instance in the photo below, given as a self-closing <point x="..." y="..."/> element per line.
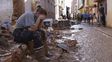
<point x="61" y="2"/>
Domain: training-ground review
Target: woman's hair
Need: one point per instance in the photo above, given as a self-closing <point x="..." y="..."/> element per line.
<point x="39" y="6"/>
<point x="41" y="11"/>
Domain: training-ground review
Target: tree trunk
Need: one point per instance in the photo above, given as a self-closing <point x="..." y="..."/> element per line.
<point x="18" y="8"/>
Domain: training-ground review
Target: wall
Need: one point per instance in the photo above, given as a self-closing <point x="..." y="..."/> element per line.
<point x="57" y="10"/>
<point x="60" y="8"/>
<point x="109" y="13"/>
<point x="6" y="9"/>
<point x="28" y="5"/>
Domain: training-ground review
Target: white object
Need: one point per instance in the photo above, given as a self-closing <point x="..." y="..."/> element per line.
<point x="50" y="20"/>
<point x="6" y="24"/>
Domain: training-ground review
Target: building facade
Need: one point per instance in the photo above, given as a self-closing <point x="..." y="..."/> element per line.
<point x="107" y="10"/>
<point x="59" y="8"/>
<point x="74" y="7"/>
<point x="109" y="13"/>
<point x="90" y="6"/>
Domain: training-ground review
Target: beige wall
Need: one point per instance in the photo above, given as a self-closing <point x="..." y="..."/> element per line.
<point x="109" y="13"/>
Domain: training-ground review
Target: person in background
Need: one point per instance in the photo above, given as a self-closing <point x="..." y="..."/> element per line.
<point x="79" y="18"/>
<point x="85" y="17"/>
<point x="94" y="17"/>
<point x="102" y="15"/>
<point x="88" y="18"/>
<point x="91" y="18"/>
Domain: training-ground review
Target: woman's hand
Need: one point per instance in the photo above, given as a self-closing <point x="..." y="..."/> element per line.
<point x="38" y="23"/>
<point x="33" y="28"/>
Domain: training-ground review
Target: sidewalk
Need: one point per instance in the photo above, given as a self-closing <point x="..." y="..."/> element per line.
<point x="96" y="44"/>
<point x="105" y="30"/>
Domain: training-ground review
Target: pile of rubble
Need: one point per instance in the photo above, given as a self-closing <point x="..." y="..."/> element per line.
<point x="61" y="25"/>
<point x="14" y="53"/>
<point x="64" y="49"/>
<point x="9" y="50"/>
<point x="62" y="46"/>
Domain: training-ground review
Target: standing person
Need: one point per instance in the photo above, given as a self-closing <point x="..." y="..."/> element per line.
<point x="81" y="17"/>
<point x="27" y="32"/>
<point x="85" y="16"/>
<point x="88" y="18"/>
<point x="91" y="18"/>
<point x="94" y="16"/>
<point x="102" y="15"/>
<point x="78" y="18"/>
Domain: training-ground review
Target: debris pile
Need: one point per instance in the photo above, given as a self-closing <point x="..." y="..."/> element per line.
<point x="71" y="43"/>
<point x="62" y="44"/>
<point x="68" y="45"/>
<point x="61" y="25"/>
<point x="14" y="53"/>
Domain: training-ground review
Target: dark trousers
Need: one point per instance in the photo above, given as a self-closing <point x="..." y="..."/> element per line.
<point x="37" y="39"/>
<point x="103" y="20"/>
<point x="25" y="36"/>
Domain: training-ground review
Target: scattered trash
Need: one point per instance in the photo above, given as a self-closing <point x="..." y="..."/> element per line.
<point x="80" y="28"/>
<point x="63" y="50"/>
<point x="64" y="47"/>
<point x="71" y="43"/>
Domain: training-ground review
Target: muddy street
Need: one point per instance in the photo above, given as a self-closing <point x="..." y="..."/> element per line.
<point x="95" y="45"/>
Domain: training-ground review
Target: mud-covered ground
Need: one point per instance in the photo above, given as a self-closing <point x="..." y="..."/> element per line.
<point x="93" y="45"/>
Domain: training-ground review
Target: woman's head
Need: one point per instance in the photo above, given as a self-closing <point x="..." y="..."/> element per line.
<point x="41" y="13"/>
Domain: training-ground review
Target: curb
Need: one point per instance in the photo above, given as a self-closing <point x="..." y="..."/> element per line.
<point x="103" y="31"/>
